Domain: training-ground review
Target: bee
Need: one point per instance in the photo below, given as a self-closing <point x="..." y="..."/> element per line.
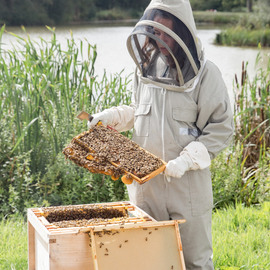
<point x="145" y="229"/>
<point x="106" y="249"/>
<point x="126" y="241"/>
<point x="156" y="229"/>
<point x="146" y="238"/>
<point x="150" y="232"/>
<point x="106" y="254"/>
<point x="120" y="245"/>
<point x="172" y="267"/>
<point x="114" y="147"/>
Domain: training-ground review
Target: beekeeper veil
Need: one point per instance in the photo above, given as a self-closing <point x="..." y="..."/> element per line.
<point x="164" y="46"/>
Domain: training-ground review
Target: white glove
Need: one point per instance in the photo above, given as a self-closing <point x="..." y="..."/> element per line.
<point x="105" y="117"/>
<point x="193" y="157"/>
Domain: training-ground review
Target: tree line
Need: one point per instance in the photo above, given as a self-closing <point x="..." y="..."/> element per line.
<point x="223" y="5"/>
<point x="57" y="12"/>
<point x="50" y="12"/>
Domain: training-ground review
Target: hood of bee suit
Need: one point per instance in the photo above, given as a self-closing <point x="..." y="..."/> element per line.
<point x="165" y="47"/>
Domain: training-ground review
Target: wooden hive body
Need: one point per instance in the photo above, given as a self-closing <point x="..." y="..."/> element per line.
<point x="140" y="243"/>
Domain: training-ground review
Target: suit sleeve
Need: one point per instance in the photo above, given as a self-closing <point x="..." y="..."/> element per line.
<point x="215" y="117"/>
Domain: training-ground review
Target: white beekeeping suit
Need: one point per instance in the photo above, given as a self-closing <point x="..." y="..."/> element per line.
<point x="181" y="113"/>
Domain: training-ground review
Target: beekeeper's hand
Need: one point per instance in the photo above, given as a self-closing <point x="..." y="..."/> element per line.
<point x="193" y="157"/>
<point x="105" y="117"/>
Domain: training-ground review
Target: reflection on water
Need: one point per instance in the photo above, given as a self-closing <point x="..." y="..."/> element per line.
<point x="113" y="55"/>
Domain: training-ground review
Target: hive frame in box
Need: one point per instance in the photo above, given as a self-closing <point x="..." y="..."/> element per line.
<point x="51" y="248"/>
<point x="155" y="246"/>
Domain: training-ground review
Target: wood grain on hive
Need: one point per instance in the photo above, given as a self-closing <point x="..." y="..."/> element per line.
<point x="155" y="246"/>
<point x="51" y="247"/>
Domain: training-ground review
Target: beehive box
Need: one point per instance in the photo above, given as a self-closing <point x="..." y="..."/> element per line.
<point x="103" y="150"/>
<point x="133" y="242"/>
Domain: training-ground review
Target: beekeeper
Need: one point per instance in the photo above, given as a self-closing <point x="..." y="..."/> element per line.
<point x="181" y="113"/>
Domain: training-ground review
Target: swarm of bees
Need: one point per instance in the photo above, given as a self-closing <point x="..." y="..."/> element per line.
<point x="103" y="150"/>
<point x="81" y="215"/>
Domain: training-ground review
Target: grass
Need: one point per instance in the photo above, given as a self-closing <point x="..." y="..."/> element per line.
<point x="240" y="239"/>
<point x="13" y="244"/>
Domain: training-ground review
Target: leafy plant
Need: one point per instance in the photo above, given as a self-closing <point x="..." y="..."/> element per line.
<point x="242" y="172"/>
<point x="43" y="87"/>
<point x="252" y="115"/>
<point x="67" y="184"/>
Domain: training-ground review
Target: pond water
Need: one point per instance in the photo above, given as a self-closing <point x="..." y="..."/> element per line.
<point x="114" y="57"/>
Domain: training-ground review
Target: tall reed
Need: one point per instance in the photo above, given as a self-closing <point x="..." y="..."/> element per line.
<point x="243" y="173"/>
<point x="252" y="114"/>
<point x="43" y="87"/>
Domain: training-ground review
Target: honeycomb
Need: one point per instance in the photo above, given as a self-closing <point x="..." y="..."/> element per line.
<point x="103" y="150"/>
<point x="82" y="215"/>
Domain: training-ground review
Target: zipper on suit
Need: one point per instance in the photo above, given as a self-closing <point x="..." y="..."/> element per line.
<point x="163" y="93"/>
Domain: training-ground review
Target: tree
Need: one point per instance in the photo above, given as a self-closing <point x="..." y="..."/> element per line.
<point x="24" y="12"/>
<point x="249" y="5"/>
<point x="233" y="5"/>
<point x="206" y="4"/>
<point x="263" y="12"/>
<point x="84" y="9"/>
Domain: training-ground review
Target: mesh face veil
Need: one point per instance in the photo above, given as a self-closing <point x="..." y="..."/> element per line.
<point x="164" y="50"/>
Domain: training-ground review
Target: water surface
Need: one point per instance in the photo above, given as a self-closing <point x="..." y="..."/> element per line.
<point x="113" y="55"/>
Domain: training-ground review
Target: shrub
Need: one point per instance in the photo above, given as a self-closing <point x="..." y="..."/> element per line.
<point x="67" y="184"/>
<point x="43" y="87"/>
<point x="239" y="36"/>
<point x="234" y="182"/>
<point x="111" y="14"/>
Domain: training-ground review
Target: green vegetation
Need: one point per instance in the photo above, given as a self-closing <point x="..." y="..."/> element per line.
<point x="240" y="36"/>
<point x="114" y="14"/>
<point x="59" y="12"/>
<point x="13" y="244"/>
<point x="240" y="239"/>
<point x="219" y="5"/>
<point x="242" y="173"/>
<point x="250" y="30"/>
<point x="210" y="17"/>
<point x="43" y="87"/>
